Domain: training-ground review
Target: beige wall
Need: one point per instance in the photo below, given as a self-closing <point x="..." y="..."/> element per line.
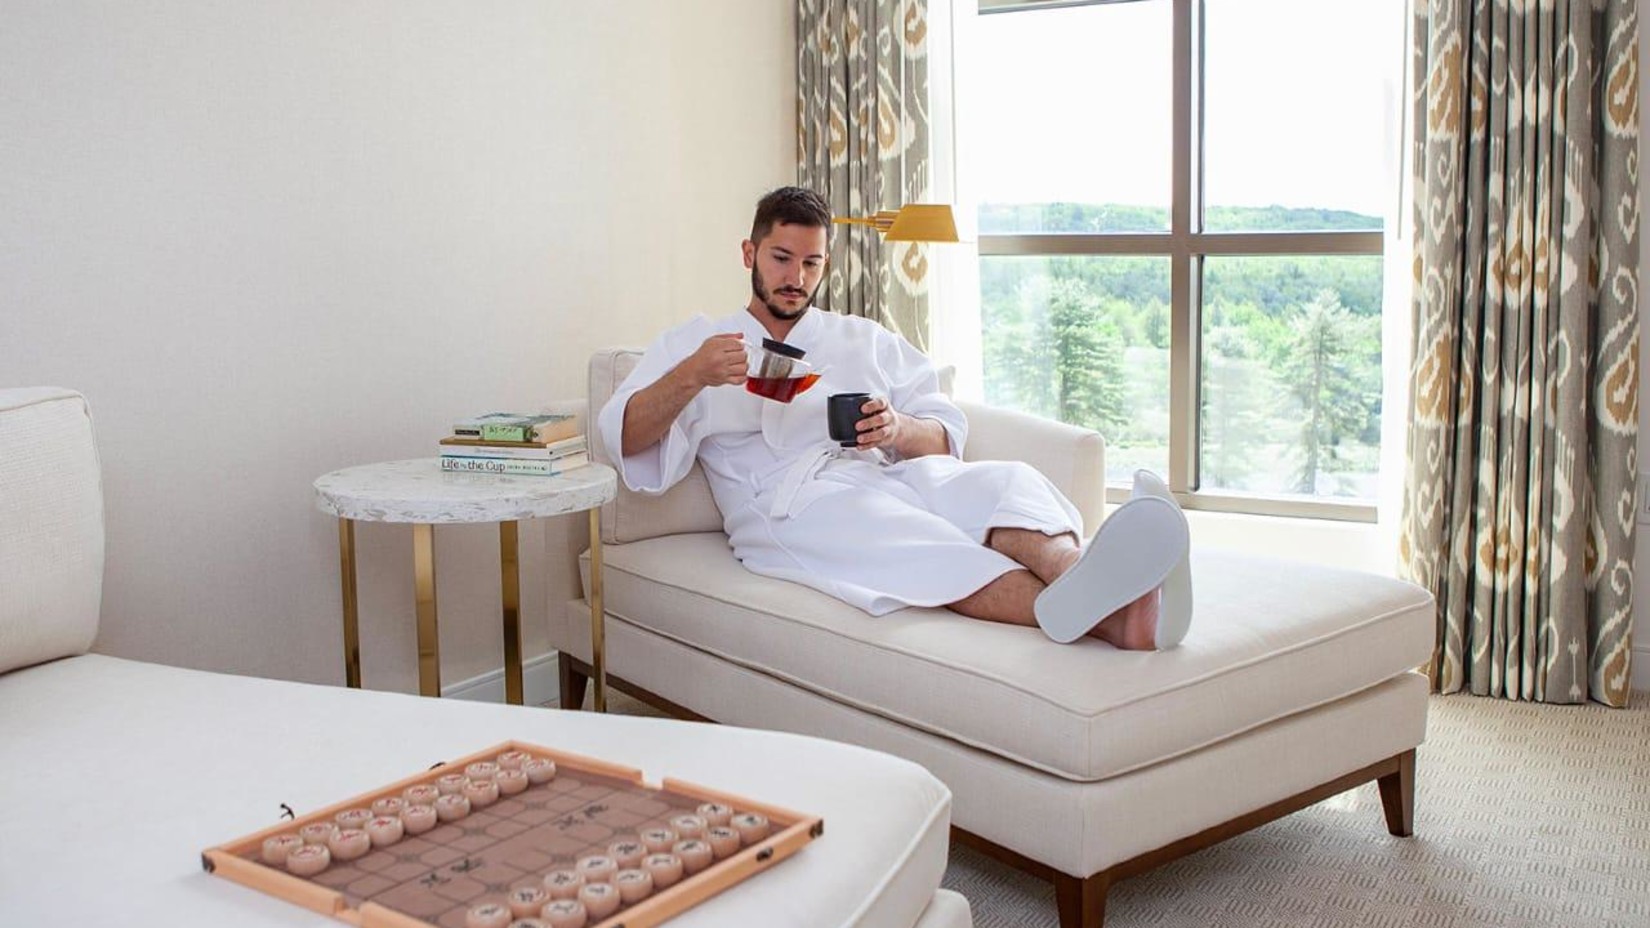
<point x="270" y="240"/>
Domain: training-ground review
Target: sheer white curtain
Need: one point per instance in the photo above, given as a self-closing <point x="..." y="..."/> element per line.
<point x="954" y="308"/>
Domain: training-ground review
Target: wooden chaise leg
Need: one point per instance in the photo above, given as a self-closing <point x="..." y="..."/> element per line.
<point x="1081" y="901"/>
<point x="1398" y="796"/>
<point x="572" y="679"/>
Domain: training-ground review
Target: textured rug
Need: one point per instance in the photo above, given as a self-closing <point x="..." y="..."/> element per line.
<point x="1525" y="815"/>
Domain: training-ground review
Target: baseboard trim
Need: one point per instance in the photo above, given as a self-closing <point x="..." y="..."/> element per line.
<point x="1641" y="669"/>
<point x="539" y="683"/>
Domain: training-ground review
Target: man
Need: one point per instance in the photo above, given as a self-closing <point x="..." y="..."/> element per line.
<point x="899" y="520"/>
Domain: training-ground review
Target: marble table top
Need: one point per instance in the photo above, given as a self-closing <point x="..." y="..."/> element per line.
<point x="419" y="491"/>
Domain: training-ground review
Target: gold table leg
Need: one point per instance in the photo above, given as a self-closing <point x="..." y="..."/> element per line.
<point x="509" y="572"/>
<point x="598" y="618"/>
<point x="352" y="626"/>
<point x="429" y="645"/>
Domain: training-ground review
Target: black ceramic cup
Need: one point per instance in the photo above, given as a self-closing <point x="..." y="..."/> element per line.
<point x="842" y="414"/>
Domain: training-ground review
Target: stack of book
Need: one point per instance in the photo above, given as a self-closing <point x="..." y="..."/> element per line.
<point x="509" y="443"/>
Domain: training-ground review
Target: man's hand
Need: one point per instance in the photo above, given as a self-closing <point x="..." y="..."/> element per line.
<point x="720" y="360"/>
<point x="892" y="430"/>
<point x="649" y="414"/>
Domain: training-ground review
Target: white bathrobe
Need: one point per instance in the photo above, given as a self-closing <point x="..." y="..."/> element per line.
<point x="873" y="531"/>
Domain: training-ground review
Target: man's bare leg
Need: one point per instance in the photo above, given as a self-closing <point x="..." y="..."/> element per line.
<point x="1047" y="556"/>
<point x="1011" y="597"/>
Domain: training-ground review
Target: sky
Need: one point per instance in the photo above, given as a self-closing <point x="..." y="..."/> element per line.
<point x="1074" y="104"/>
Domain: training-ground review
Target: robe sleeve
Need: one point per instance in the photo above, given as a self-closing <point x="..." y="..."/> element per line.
<point x="657" y="468"/>
<point x="914" y="387"/>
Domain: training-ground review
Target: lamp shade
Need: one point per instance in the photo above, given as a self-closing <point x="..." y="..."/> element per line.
<point x="913" y="222"/>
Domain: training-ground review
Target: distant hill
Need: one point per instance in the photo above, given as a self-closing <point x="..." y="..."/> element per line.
<point x="1092" y="218"/>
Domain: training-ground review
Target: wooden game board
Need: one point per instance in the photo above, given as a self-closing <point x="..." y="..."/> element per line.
<point x="434" y="878"/>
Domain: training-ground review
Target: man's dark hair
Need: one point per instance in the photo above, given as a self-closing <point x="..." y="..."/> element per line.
<point x="791" y="206"/>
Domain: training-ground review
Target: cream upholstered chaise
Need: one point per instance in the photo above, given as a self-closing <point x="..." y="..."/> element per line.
<point x="1080" y="763"/>
<point x="117" y="774"/>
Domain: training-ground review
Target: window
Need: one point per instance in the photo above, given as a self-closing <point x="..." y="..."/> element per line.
<point x="1182" y="217"/>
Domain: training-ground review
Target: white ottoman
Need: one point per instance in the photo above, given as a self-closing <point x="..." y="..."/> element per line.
<point x="117" y="774"/>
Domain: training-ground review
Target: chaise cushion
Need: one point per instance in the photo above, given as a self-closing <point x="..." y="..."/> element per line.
<point x="1270" y="639"/>
<point x="51" y="526"/>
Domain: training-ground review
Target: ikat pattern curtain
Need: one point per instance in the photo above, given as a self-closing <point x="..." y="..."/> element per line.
<point x="1518" y="503"/>
<point x="862" y="142"/>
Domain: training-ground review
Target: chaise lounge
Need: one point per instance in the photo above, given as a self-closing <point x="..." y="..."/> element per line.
<point x="1079" y="763"/>
<point x="117" y="774"/>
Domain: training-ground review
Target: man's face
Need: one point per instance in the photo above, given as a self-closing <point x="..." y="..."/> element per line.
<point x="787" y="267"/>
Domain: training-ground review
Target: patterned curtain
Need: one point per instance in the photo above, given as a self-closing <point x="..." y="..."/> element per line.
<point x="862" y="142"/>
<point x="1518" y="504"/>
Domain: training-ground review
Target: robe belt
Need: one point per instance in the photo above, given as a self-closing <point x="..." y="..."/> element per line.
<point x="803" y="470"/>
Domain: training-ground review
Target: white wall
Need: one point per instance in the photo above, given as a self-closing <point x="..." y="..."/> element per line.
<point x="269" y="240"/>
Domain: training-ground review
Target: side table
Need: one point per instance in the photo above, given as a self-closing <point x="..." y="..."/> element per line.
<point x="420" y="493"/>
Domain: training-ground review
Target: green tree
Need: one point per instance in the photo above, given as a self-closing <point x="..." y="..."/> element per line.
<point x="1053" y="351"/>
<point x="1088" y="366"/>
<point x="1238" y="394"/>
<point x="1328" y="379"/>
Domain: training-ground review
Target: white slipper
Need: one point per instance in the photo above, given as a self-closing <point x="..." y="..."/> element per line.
<point x="1174" y="611"/>
<point x="1134" y="550"/>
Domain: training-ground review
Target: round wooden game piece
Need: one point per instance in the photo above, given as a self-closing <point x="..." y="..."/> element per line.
<point x="481" y="793"/>
<point x="421" y="795"/>
<point x="451" y="807"/>
<point x="527" y="923"/>
<point x="563" y="884"/>
<point x="276" y="848"/>
<point x="512" y="760"/>
<point x="724" y="842"/>
<point x="481" y="770"/>
<point x="418" y="818"/>
<point x="488" y="915"/>
<point x="389" y="805"/>
<point x="511" y="782"/>
<point x="308" y="860"/>
<point x="600" y="899"/>
<point x="385" y="830"/>
<point x="696" y="855"/>
<point x="565" y="913"/>
<point x="751" y="827"/>
<point x="714" y="813"/>
<point x="659" y="840"/>
<point x="526" y="901"/>
<point x="317" y="832"/>
<point x="627" y="854"/>
<point x="666" y="869"/>
<point x="597" y="869"/>
<point x="539" y="770"/>
<point x="451" y="783"/>
<point x="349" y="843"/>
<point x="353" y="818"/>
<point x="688" y="826"/>
<point x="633" y="885"/>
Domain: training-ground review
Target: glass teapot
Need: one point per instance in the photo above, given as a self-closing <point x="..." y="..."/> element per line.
<point x="776" y="371"/>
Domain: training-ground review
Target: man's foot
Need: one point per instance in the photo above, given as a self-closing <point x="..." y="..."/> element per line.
<point x="1175" y="613"/>
<point x="1133" y="627"/>
<point x="1129" y="557"/>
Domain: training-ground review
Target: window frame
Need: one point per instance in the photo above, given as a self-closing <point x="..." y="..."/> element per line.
<point x="1186" y="247"/>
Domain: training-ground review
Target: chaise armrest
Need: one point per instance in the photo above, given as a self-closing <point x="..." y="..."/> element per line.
<point x="1073" y="458"/>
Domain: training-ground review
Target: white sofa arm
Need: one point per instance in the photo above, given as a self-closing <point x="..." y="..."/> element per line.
<point x="1073" y="458"/>
<point x="565" y="538"/>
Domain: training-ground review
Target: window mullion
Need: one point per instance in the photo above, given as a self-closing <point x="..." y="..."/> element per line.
<point x="1184" y="264"/>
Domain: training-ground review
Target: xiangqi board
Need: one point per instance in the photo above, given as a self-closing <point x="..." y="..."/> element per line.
<point x="514" y="834"/>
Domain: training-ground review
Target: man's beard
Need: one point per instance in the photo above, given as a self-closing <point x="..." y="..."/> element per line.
<point x="780" y="312"/>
